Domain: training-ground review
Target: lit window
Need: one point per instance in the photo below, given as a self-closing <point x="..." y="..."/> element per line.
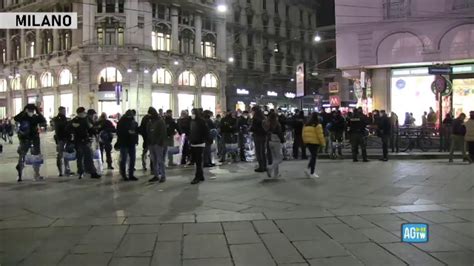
<point x="3" y="85"/>
<point x="65" y="77"/>
<point x="100" y="36"/>
<point x="121" y="39"/>
<point x="110" y="74"/>
<point x="32" y="49"/>
<point x="162" y="76"/>
<point x="208" y="47"/>
<point x="31" y="82"/>
<point x="209" y="81"/>
<point x="187" y="78"/>
<point x="4" y="55"/>
<point x="47" y="79"/>
<point x="161" y="40"/>
<point x="16" y="84"/>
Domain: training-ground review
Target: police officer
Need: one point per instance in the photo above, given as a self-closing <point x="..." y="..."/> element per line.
<point x="60" y="123"/>
<point x="106" y="131"/>
<point x="29" y="121"/>
<point x="82" y="130"/>
<point x="357" y="130"/>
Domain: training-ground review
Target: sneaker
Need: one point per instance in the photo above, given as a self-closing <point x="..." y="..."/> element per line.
<point x="154" y="179"/>
<point x="195" y="181"/>
<point x="80" y="176"/>
<point x="39" y="178"/>
<point x="355" y="160"/>
<point x="19" y="180"/>
<point x="314" y="175"/>
<point x="307" y="172"/>
<point x="70" y="173"/>
<point x="95" y="176"/>
<point x="268" y="172"/>
<point x="163" y="179"/>
<point x="133" y="178"/>
<point x="365" y="161"/>
<point x="110" y="167"/>
<point x="60" y="175"/>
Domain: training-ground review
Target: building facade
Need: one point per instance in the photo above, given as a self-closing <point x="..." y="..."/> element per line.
<point x="267" y="39"/>
<point x="124" y="54"/>
<point x="386" y="47"/>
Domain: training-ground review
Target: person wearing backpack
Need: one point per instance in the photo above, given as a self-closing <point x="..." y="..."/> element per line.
<point x="275" y="140"/>
<point x="106" y="134"/>
<point x="29" y="121"/>
<point x="314" y="139"/>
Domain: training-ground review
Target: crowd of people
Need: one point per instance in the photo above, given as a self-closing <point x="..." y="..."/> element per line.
<point x="90" y="136"/>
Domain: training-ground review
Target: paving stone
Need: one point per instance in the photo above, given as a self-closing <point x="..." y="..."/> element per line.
<point x="419" y="208"/>
<point x="89" y="221"/>
<point x="325" y="220"/>
<point x="202" y="228"/>
<point x="462" y="228"/>
<point x="136" y="245"/>
<point x="379" y="235"/>
<point x="437" y="243"/>
<point x="207" y="262"/>
<point x="242" y="237"/>
<point x="460" y="239"/>
<point x="412" y="218"/>
<point x="439" y="217"/>
<point x="205" y="218"/>
<point x="456" y="258"/>
<point x="320" y="249"/>
<point x="410" y="254"/>
<point x="343" y="233"/>
<point x="465" y="214"/>
<point x="170" y="232"/>
<point x="205" y="246"/>
<point x="361" y="210"/>
<point x="390" y="225"/>
<point x="371" y="254"/>
<point x="301" y="230"/>
<point x="238" y="226"/>
<point x="228" y="206"/>
<point x="298" y="214"/>
<point x="356" y="222"/>
<point x="266" y="226"/>
<point x="130" y="261"/>
<point x="167" y="253"/>
<point x="251" y="254"/>
<point x="187" y="218"/>
<point x="281" y="248"/>
<point x="43" y="258"/>
<point x="143" y="228"/>
<point x="336" y="261"/>
<point x="85" y="259"/>
<point x="270" y="204"/>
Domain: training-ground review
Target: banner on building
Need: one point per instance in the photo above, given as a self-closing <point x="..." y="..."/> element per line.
<point x="300" y="80"/>
<point x="334" y="87"/>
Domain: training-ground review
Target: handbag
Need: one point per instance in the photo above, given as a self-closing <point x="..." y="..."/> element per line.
<point x="173" y="150"/>
<point x="31" y="159"/>
<point x="69" y="156"/>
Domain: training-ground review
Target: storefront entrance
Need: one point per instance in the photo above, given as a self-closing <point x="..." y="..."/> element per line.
<point x="160" y="100"/>
<point x="185" y="102"/>
<point x="208" y="102"/>
<point x="109" y="107"/>
<point x="66" y="101"/>
<point x="48" y="107"/>
<point x="463" y="96"/>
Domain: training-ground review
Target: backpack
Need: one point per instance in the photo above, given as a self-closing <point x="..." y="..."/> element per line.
<point x="24" y="129"/>
<point x="105" y="136"/>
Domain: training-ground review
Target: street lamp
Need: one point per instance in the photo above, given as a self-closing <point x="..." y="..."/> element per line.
<point x="317" y="38"/>
<point x="129" y="70"/>
<point x="176" y="63"/>
<point x="221" y="8"/>
<point x="146" y="71"/>
<point x="231" y="60"/>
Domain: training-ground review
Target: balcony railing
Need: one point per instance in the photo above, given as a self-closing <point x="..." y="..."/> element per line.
<point x="461" y="4"/>
<point x="396" y="9"/>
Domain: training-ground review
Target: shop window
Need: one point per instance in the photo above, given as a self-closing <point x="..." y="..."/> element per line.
<point x="109" y="74"/>
<point x="187" y="78"/>
<point x="3" y="85"/>
<point x="162" y="76"/>
<point x="65" y="77"/>
<point x="209" y="81"/>
<point x="31" y="82"/>
<point x="160" y="100"/>
<point x="208" y="102"/>
<point x="47" y="79"/>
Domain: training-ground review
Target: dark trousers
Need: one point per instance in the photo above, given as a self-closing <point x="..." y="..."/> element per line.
<point x="470" y="147"/>
<point x="297" y="144"/>
<point x="394" y="140"/>
<point x="242" y="146"/>
<point x="207" y="154"/>
<point x="269" y="154"/>
<point x="107" y="147"/>
<point x="357" y="139"/>
<point x="23" y="148"/>
<point x="385" y="141"/>
<point x="337" y="139"/>
<point x="197" y="153"/>
<point x="260" y="150"/>
<point x="84" y="158"/>
<point x="313" y="149"/>
<point x="127" y="152"/>
<point x="60" y="161"/>
<point x="186" y="153"/>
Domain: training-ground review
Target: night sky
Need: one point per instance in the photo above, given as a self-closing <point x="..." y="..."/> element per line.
<point x="325" y="13"/>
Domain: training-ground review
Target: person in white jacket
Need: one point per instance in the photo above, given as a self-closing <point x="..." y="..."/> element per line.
<point x="469" y="137"/>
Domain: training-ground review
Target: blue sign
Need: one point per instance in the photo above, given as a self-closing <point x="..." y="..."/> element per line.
<point x="401" y="84"/>
<point x="440" y="70"/>
<point x="415" y="233"/>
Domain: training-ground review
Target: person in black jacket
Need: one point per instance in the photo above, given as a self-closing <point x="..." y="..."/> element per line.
<point x="171" y="130"/>
<point x="457" y="137"/>
<point x="60" y="123"/>
<point x="198" y="138"/>
<point x="338" y="124"/>
<point x="298" y="124"/>
<point x="127" y="139"/>
<point x="357" y="130"/>
<point x="260" y="138"/>
<point x="29" y="121"/>
<point x="8" y="129"/>
<point x="106" y="132"/>
<point x="184" y="124"/>
<point x="207" y="149"/>
<point x="143" y="131"/>
<point x="243" y="127"/>
<point x="275" y="139"/>
<point x="81" y="130"/>
<point x="229" y="127"/>
<point x="384" y="128"/>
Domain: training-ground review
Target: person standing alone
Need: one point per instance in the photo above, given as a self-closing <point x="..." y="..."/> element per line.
<point x="383" y="131"/>
<point x="106" y="134"/>
<point x="457" y="137"/>
<point x="198" y="138"/>
<point x="275" y="140"/>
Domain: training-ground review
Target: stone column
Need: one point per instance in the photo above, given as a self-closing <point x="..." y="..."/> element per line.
<point x="56" y="40"/>
<point x="23" y="44"/>
<point x="9" y="46"/>
<point x="174" y="30"/>
<point x="38" y="43"/>
<point x="198" y="34"/>
<point x="221" y="39"/>
<point x="116" y="6"/>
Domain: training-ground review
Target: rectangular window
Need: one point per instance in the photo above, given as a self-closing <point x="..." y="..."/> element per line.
<point x="100" y="36"/>
<point x="236" y="16"/>
<point x="121" y="6"/>
<point x="110" y="36"/>
<point x="67" y="41"/>
<point x="109" y="6"/>
<point x="4" y="55"/>
<point x="121" y="38"/>
<point x="249" y="20"/>
<point x="154" y="42"/>
<point x="250" y="39"/>
<point x="163" y="41"/>
<point x="309" y="19"/>
<point x="250" y="61"/>
<point x="153" y="10"/>
<point x="264" y="4"/>
<point x="208" y="49"/>
<point x="301" y="16"/>
<point x="49" y="45"/>
<point x="287" y="11"/>
<point x="17" y="52"/>
<point x="99" y="6"/>
<point x="276" y="7"/>
<point x="32" y="49"/>
<point x="396" y="8"/>
<point x="161" y="11"/>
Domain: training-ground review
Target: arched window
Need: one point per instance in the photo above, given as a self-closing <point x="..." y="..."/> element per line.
<point x="187" y="78"/>
<point x="209" y="81"/>
<point x="161" y="38"/>
<point x="30" y="45"/>
<point x="47" y="37"/>
<point x="3" y="85"/>
<point x="208" y="46"/>
<point x="31" y="82"/>
<point x="47" y="79"/>
<point x="65" y="77"/>
<point x="65" y="39"/>
<point x="186" y="42"/>
<point x="162" y="76"/>
<point x="109" y="74"/>
<point x="16" y="84"/>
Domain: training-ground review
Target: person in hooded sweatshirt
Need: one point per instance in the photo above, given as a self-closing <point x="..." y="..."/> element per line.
<point x="60" y="123"/>
<point x="29" y="121"/>
<point x="157" y="135"/>
<point x="198" y="138"/>
<point x="127" y="139"/>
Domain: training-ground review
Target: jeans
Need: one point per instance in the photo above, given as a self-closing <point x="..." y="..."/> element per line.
<point x="298" y="143"/>
<point x="23" y="148"/>
<point x="207" y="154"/>
<point x="337" y="139"/>
<point x="157" y="156"/>
<point x="357" y="139"/>
<point x="277" y="157"/>
<point x="185" y="154"/>
<point x="107" y="147"/>
<point x="313" y="149"/>
<point x="385" y="141"/>
<point x="60" y="161"/>
<point x="127" y="153"/>
<point x="242" y="146"/>
<point x="84" y="158"/>
<point x="197" y="153"/>
<point x="456" y="143"/>
<point x="260" y="150"/>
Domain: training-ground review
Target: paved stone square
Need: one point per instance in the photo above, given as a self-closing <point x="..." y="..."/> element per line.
<point x="350" y="216"/>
